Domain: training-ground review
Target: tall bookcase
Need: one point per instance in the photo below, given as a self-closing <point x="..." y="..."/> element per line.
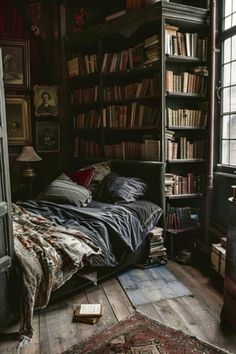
<point x="139" y="90"/>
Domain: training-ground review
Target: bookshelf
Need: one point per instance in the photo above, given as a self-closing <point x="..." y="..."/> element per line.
<point x="139" y="90"/>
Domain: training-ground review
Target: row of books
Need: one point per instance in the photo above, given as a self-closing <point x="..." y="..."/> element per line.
<point x="186" y="82"/>
<point x="185" y="44"/>
<point x="148" y="87"/>
<point x="82" y="64"/>
<point x="86" y="148"/>
<point x="186" y="118"/>
<point x="89" y="119"/>
<point x="130" y="150"/>
<point x="189" y="184"/>
<point x="157" y="253"/>
<point x="89" y="94"/>
<point x="184" y="149"/>
<point x="130" y="116"/>
<point x="141" y="55"/>
<point x="181" y="217"/>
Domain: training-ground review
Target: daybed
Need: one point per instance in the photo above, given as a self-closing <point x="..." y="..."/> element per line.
<point x="112" y="237"/>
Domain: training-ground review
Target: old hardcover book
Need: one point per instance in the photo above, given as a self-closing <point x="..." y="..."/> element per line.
<point x="89" y="320"/>
<point x="88" y="310"/>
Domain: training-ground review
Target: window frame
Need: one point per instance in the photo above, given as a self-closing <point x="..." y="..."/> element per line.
<point x="224" y="35"/>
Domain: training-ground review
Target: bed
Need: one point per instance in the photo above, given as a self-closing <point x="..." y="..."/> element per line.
<point x="97" y="241"/>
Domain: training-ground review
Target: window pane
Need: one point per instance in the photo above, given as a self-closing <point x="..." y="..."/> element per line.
<point x="227" y="22"/>
<point x="228" y="7"/>
<point x="234" y="20"/>
<point x="233" y="152"/>
<point x="233" y="99"/>
<point x="226" y="100"/>
<point x="226" y="75"/>
<point x="233" y="48"/>
<point x="233" y="71"/>
<point x="232" y="129"/>
<point x="225" y="127"/>
<point x="234" y="5"/>
<point x="225" y="152"/>
<point x="227" y="50"/>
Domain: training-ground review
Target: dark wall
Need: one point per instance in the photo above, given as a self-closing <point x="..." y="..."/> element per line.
<point x="33" y="21"/>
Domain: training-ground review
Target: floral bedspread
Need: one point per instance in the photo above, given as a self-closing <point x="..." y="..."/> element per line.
<point x="47" y="255"/>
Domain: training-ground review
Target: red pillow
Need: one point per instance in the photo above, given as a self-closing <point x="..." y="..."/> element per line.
<point x="83" y="177"/>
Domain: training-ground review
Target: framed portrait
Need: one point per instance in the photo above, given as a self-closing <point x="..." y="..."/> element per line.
<point x="48" y="136"/>
<point x="45" y="100"/>
<point x="18" y="119"/>
<point x="16" y="63"/>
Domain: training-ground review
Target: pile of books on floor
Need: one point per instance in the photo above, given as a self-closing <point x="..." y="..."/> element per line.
<point x="157" y="255"/>
<point x="88" y="313"/>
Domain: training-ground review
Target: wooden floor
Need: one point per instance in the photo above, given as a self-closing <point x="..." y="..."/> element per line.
<point x="199" y="315"/>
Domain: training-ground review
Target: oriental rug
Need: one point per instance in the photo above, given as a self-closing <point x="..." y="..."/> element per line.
<point x="139" y="334"/>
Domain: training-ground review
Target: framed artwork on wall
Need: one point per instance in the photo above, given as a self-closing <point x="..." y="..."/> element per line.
<point x="18" y="120"/>
<point x="45" y="100"/>
<point x="47" y="136"/>
<point x="16" y="63"/>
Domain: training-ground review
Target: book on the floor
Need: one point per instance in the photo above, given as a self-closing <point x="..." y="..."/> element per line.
<point x="89" y="313"/>
<point x="90" y="320"/>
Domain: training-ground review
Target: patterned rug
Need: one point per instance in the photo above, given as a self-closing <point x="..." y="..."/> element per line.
<point x="139" y="334"/>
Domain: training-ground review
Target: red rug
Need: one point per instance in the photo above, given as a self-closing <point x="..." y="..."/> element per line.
<point x="139" y="334"/>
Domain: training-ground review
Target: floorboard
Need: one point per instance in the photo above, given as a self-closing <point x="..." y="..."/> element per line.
<point x="54" y="330"/>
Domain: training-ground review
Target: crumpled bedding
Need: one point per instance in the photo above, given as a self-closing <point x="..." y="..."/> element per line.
<point x="47" y="255"/>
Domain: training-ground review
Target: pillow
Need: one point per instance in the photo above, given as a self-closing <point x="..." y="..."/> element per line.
<point x="117" y="188"/>
<point x="101" y="170"/>
<point x="83" y="177"/>
<point x="62" y="177"/>
<point x="65" y="192"/>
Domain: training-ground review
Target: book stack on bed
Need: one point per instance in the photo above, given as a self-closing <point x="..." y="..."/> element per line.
<point x="157" y="255"/>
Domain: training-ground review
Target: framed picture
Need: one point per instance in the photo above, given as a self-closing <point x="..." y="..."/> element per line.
<point x="18" y="119"/>
<point x="16" y="63"/>
<point x="48" y="136"/>
<point x="45" y="100"/>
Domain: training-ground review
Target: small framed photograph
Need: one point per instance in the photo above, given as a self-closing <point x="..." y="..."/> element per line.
<point x="48" y="136"/>
<point x="18" y="119"/>
<point x="16" y="63"/>
<point x="45" y="100"/>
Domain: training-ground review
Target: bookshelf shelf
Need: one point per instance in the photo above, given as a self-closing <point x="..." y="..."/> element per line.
<point x="184" y="95"/>
<point x="186" y="128"/>
<point x="131" y="129"/>
<point x="182" y="59"/>
<point x="185" y="161"/>
<point x="185" y="196"/>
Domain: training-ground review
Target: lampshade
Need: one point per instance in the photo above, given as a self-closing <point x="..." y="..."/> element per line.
<point x="28" y="154"/>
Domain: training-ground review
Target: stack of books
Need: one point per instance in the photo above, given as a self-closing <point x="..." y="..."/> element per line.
<point x="88" y="313"/>
<point x="157" y="255"/>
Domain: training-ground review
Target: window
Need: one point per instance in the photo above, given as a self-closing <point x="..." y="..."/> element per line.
<point x="228" y="93"/>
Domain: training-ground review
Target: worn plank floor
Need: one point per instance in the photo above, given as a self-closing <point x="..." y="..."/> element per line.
<point x="199" y="315"/>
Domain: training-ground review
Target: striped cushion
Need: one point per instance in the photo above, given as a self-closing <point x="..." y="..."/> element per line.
<point x="65" y="192"/>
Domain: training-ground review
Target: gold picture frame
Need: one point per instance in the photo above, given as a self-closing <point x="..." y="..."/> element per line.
<point x="45" y="100"/>
<point x="18" y="120"/>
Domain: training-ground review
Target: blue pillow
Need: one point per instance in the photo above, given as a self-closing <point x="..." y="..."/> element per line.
<point x="116" y="189"/>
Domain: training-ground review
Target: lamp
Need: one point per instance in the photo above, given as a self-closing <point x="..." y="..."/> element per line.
<point x="28" y="155"/>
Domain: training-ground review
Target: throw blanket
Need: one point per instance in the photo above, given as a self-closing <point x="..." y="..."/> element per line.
<point x="48" y="255"/>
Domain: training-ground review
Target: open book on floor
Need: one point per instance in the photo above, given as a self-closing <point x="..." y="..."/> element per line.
<point x="88" y="313"/>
